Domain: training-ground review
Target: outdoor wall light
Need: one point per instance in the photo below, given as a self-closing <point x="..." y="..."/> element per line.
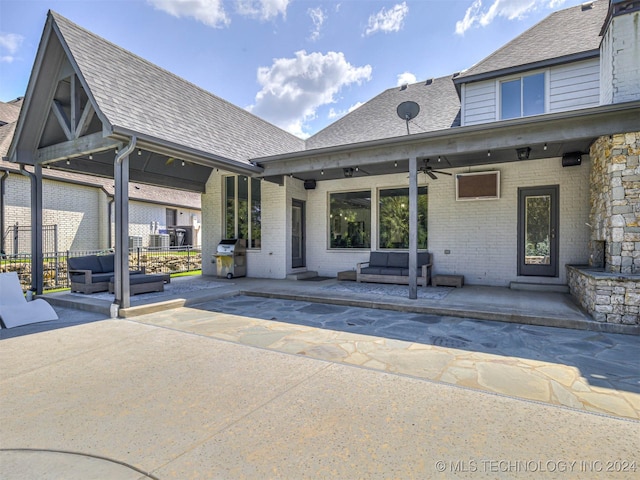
<point x="139" y="152"/>
<point x="68" y="162"/>
<point x="488" y="153"/>
<point x="91" y="156"/>
<point x="523" y="153"/>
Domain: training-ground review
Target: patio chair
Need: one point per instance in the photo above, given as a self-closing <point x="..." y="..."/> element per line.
<point x="15" y="311"/>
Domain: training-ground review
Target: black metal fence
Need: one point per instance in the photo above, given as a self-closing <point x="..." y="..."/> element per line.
<point x="153" y="259"/>
<point x="16" y="239"/>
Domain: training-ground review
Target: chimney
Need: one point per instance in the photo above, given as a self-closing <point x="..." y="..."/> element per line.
<point x="620" y="53"/>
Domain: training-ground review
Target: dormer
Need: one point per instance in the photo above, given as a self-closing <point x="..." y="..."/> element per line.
<point x="552" y="67"/>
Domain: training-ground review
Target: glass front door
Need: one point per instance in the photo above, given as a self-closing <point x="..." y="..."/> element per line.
<point x="538" y="231"/>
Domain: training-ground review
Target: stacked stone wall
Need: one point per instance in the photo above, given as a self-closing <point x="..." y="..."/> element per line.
<point x="615" y="202"/>
<point x="609" y="289"/>
<point x="608" y="298"/>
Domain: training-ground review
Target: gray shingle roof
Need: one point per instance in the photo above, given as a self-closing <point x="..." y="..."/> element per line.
<point x="135" y="94"/>
<point x="564" y="33"/>
<point x="10" y="111"/>
<point x="377" y="119"/>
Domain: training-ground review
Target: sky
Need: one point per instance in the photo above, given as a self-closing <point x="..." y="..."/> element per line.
<point x="299" y="64"/>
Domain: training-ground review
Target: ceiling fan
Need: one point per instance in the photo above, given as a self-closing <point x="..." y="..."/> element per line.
<point x="428" y="170"/>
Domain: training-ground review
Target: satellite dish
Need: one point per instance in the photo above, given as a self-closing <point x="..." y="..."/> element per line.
<point x="408" y="111"/>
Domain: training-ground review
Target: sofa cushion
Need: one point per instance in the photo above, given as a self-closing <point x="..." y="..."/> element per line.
<point x="101" y="277"/>
<point x="89" y="262"/>
<point x="378" y="259"/>
<point x="423" y="258"/>
<point x="107" y="262"/>
<point x="371" y="270"/>
<point x="398" y="260"/>
<point x="391" y="271"/>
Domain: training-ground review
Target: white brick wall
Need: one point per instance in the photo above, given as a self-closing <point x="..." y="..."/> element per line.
<point x="270" y="261"/>
<point x="211" y="221"/>
<point x="480" y="235"/>
<point x="74" y="208"/>
<point x="81" y="213"/>
<point x="620" y="60"/>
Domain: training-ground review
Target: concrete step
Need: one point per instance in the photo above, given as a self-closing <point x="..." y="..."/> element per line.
<point x="539" y="287"/>
<point x="302" y="275"/>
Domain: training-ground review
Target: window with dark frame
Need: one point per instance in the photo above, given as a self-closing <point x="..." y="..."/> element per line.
<point x="243" y="210"/>
<point x="393" y="218"/>
<point x="350" y="219"/>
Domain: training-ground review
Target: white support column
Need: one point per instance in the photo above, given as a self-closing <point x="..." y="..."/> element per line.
<point x="413" y="228"/>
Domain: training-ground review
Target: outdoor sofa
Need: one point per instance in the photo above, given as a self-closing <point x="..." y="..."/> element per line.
<point x="393" y="267"/>
<point x="92" y="273"/>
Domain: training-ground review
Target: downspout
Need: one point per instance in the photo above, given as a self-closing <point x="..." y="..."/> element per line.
<point x="2" y="192"/>
<point x="122" y="220"/>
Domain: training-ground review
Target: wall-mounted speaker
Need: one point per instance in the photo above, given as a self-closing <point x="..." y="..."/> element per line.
<point x="572" y="159"/>
<point x="309" y="184"/>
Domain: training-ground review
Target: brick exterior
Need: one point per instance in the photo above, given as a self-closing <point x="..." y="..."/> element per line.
<point x="480" y="235"/>
<point x="80" y="213"/>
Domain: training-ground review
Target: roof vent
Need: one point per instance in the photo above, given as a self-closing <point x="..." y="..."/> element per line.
<point x="404" y="86"/>
<point x="586" y="6"/>
<point x="429" y="82"/>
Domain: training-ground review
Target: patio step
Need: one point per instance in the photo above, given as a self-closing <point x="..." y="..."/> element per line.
<point x="539" y="287"/>
<point x="302" y="275"/>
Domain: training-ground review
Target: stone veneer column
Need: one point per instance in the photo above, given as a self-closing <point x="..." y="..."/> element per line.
<point x="615" y="203"/>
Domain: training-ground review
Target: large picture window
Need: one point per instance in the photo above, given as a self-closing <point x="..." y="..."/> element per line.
<point x="522" y="96"/>
<point x="393" y="218"/>
<point x="243" y="209"/>
<point x="350" y="220"/>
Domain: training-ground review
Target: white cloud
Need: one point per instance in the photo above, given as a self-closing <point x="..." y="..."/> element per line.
<point x="509" y="9"/>
<point x="209" y="12"/>
<point x="333" y="113"/>
<point x="294" y="88"/>
<point x="10" y="42"/>
<point x="390" y="20"/>
<point x="317" y="17"/>
<point x="406" y="78"/>
<point x="262" y="9"/>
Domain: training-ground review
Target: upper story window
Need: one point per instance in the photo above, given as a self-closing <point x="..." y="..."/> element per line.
<point x="522" y="96"/>
<point x="243" y="210"/>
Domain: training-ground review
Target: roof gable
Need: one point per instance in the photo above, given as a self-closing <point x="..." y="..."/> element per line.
<point x="564" y="35"/>
<point x="138" y="96"/>
<point x="378" y="119"/>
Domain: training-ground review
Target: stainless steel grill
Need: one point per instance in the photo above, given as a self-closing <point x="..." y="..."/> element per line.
<point x="230" y="258"/>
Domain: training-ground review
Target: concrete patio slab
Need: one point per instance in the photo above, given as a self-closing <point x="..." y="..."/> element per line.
<point x="181" y="405"/>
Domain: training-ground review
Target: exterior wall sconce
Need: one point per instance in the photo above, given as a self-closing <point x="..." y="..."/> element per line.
<point x="523" y="153"/>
